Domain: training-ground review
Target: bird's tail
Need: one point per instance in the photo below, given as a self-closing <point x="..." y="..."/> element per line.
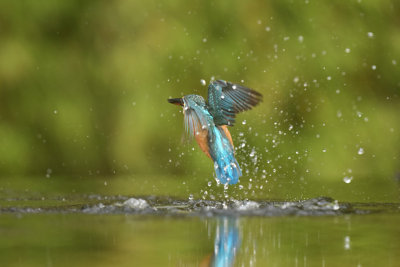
<point x="227" y="169"/>
<point x="226" y="166"/>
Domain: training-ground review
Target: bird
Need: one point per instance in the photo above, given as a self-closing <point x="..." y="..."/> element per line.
<point x="226" y="243"/>
<point x="207" y="122"/>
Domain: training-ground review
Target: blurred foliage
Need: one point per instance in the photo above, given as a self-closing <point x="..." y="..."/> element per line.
<point x="83" y="86"/>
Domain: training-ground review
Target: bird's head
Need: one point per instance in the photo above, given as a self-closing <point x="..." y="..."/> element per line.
<point x="195" y="113"/>
<point x="188" y="101"/>
<point x="176" y="101"/>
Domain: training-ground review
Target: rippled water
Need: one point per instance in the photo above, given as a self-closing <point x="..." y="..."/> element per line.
<point x="151" y="205"/>
<point x="96" y="230"/>
<point x="64" y="222"/>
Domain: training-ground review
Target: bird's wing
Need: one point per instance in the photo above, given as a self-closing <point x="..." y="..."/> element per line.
<point x="196" y="124"/>
<point x="195" y="121"/>
<point x="226" y="99"/>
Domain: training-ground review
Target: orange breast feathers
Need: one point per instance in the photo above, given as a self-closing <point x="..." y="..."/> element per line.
<point x="227" y="133"/>
<point x="201" y="138"/>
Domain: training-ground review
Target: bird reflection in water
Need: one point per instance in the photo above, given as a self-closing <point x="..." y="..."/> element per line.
<point x="226" y="244"/>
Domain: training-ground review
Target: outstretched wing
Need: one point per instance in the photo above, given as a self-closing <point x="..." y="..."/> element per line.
<point x="226" y="99"/>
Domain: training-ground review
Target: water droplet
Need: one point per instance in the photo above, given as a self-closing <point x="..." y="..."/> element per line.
<point x="360" y="151"/>
<point x="347" y="179"/>
<point x="336" y="205"/>
<point x="48" y="173"/>
<point x="203" y="82"/>
<point x="347" y="242"/>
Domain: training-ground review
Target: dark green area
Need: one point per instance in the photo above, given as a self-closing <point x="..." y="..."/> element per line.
<point x="83" y="89"/>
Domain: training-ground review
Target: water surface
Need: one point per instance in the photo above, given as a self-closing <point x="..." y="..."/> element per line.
<point x="124" y="230"/>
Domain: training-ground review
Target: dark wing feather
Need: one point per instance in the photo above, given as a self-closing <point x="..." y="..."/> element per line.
<point x="226" y="99"/>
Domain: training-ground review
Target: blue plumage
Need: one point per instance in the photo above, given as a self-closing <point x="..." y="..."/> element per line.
<point x="221" y="151"/>
<point x="226" y="243"/>
<point x="207" y="123"/>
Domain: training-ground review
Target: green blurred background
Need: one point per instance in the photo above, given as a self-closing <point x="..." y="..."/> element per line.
<point x="84" y="84"/>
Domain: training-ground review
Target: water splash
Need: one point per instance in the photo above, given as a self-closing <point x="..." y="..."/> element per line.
<point x="150" y="205"/>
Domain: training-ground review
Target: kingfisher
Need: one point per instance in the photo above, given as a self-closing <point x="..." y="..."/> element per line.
<point x="207" y="122"/>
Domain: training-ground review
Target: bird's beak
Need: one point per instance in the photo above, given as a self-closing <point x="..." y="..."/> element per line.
<point x="176" y="101"/>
